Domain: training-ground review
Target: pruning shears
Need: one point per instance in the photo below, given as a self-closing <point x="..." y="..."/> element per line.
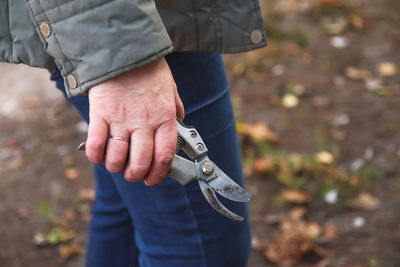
<point x="211" y="179"/>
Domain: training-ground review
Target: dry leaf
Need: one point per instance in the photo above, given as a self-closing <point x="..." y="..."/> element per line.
<point x="274" y="218"/>
<point x="68" y="251"/>
<point x="357" y="22"/>
<point x="87" y="194"/>
<point x="296" y="196"/>
<point x="330" y="231"/>
<point x="365" y="201"/>
<point x="264" y="165"/>
<point x="259" y="131"/>
<point x="297" y="214"/>
<point x="338" y="135"/>
<point x="313" y="230"/>
<point x="324" y="157"/>
<point x="287" y="250"/>
<point x="257" y="244"/>
<point x="71" y="173"/>
<point x="70" y="215"/>
<point x="86" y="217"/>
<point x="357" y="74"/>
<point x="387" y="69"/>
<point x="290" y="101"/>
<point x="68" y="160"/>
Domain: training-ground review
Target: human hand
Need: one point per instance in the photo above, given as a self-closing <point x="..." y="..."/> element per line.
<point x="141" y="106"/>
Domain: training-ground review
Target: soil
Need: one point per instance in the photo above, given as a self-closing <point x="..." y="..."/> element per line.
<point x="39" y="166"/>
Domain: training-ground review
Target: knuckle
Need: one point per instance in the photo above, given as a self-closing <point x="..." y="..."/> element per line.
<point x="169" y="111"/>
<point x="165" y="158"/>
<point x="94" y="145"/>
<point x="130" y="178"/>
<point x="114" y="166"/>
<point x="154" y="180"/>
<point x="94" y="157"/>
<point x="136" y="172"/>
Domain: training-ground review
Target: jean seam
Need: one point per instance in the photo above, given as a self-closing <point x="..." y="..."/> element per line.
<point x="197" y="228"/>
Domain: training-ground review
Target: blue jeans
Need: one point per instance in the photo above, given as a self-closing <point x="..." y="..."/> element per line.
<point x="169" y="224"/>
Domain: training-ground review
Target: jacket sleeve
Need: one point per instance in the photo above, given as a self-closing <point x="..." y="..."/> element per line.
<point x="92" y="41"/>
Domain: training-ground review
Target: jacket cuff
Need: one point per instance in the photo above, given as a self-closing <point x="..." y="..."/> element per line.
<point x="93" y="41"/>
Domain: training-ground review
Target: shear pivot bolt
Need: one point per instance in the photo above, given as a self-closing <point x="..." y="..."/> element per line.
<point x="200" y="147"/>
<point x="193" y="134"/>
<point x="207" y="168"/>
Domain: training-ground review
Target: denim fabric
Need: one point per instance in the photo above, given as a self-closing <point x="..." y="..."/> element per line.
<point x="169" y="224"/>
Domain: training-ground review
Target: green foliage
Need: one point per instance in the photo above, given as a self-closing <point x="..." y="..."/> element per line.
<point x="45" y="209"/>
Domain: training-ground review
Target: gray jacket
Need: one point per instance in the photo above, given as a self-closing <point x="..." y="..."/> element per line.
<point x="90" y="41"/>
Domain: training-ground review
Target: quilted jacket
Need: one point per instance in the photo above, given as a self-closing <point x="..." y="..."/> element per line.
<point x="90" y="41"/>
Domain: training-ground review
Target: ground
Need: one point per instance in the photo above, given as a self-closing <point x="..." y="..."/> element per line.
<point x="326" y="83"/>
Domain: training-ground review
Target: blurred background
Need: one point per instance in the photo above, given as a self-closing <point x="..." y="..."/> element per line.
<point x="318" y="119"/>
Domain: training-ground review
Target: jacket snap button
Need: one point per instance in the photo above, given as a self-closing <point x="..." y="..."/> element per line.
<point x="72" y="82"/>
<point x="45" y="29"/>
<point x="256" y="36"/>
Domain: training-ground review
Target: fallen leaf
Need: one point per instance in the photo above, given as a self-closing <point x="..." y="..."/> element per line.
<point x="23" y="212"/>
<point x="297" y="89"/>
<point x="335" y="28"/>
<point x="68" y="160"/>
<point x="320" y="101"/>
<point x="357" y="22"/>
<point x="259" y="131"/>
<point x="297" y="214"/>
<point x="274" y="218"/>
<point x="287" y="250"/>
<point x="365" y="201"/>
<point x="71" y="173"/>
<point x="86" y="217"/>
<point x="69" y="251"/>
<point x="257" y="244"/>
<point x="290" y="101"/>
<point x="70" y="215"/>
<point x="313" y="230"/>
<point x="59" y="235"/>
<point x="330" y="231"/>
<point x="324" y="157"/>
<point x="387" y="69"/>
<point x="356" y="73"/>
<point x="338" y="135"/>
<point x="87" y="194"/>
<point x="296" y="196"/>
<point x="264" y="165"/>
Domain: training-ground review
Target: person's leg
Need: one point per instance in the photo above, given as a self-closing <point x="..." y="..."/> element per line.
<point x="174" y="225"/>
<point x="111" y="235"/>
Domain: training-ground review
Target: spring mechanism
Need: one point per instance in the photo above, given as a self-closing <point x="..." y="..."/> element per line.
<point x="179" y="144"/>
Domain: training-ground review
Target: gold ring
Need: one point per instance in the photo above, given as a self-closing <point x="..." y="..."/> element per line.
<point x="119" y="138"/>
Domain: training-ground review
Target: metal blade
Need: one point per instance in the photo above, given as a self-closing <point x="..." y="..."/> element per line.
<point x="227" y="188"/>
<point x="211" y="198"/>
<point x="82" y="146"/>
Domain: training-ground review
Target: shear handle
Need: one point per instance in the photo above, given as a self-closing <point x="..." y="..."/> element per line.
<point x="182" y="170"/>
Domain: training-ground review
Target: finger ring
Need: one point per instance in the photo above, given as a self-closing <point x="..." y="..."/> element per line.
<point x="119" y="138"/>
